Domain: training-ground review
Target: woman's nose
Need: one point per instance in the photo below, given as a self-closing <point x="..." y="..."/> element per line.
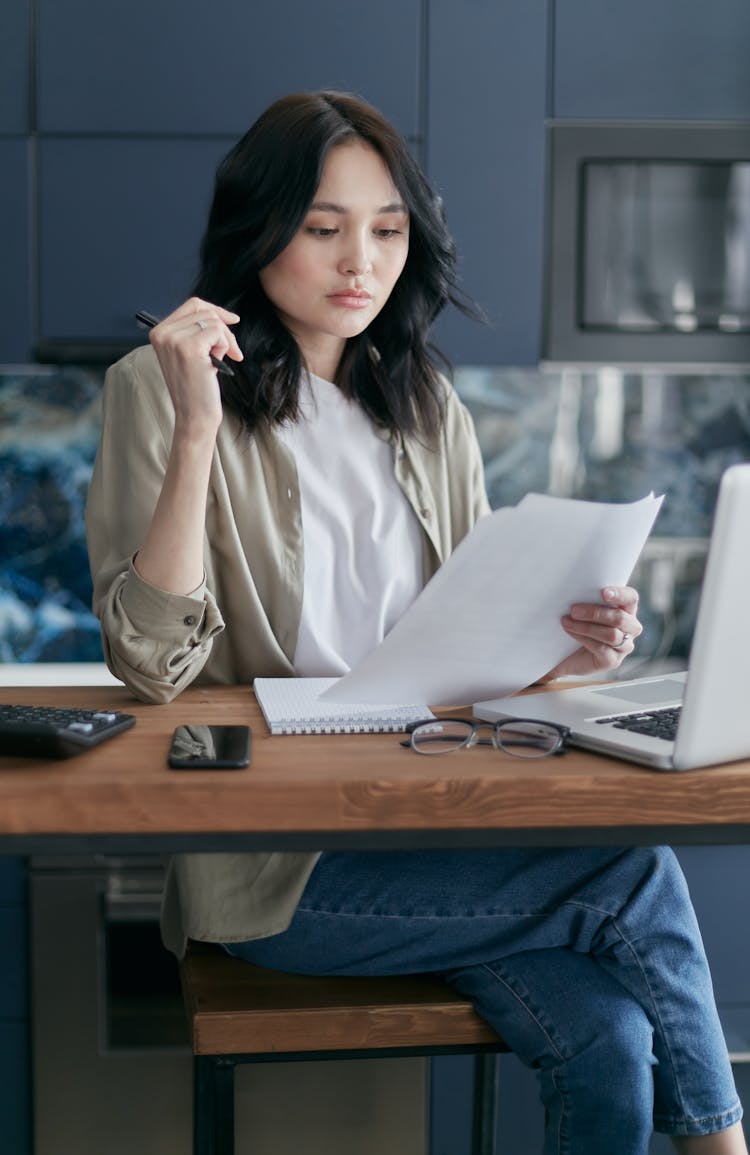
<point x="356" y="260"/>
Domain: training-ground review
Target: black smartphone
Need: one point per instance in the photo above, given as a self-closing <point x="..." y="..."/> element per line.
<point x="210" y="748"/>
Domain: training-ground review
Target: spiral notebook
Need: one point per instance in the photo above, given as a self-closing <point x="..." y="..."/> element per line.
<point x="291" y="706"/>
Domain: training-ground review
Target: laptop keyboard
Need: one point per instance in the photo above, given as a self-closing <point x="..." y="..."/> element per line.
<point x="654" y="723"/>
<point x="56" y="731"/>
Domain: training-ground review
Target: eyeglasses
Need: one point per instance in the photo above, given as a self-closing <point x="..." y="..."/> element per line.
<point x="523" y="737"/>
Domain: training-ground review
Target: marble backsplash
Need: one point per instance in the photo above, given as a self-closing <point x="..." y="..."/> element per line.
<point x="49" y="427"/>
<point x="607" y="435"/>
<point x="602" y="435"/>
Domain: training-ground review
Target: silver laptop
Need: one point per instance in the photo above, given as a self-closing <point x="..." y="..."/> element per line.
<point x="710" y="703"/>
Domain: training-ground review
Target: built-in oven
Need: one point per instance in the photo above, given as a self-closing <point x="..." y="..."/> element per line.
<point x="112" y="1071"/>
<point x="648" y="254"/>
<point x="111" y="1061"/>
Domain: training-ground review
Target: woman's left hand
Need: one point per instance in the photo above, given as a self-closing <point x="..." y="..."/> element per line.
<point x="605" y="632"/>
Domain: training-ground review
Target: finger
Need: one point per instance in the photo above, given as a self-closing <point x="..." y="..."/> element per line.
<point x="587" y="614"/>
<point x="196" y="305"/>
<point x="215" y="337"/>
<point x="624" y="596"/>
<point x="206" y="331"/>
<point x="606" y="656"/>
<point x="195" y="322"/>
<point x="622" y="601"/>
<point x="592" y="634"/>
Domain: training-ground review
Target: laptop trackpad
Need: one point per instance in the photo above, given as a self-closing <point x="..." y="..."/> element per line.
<point x="646" y="693"/>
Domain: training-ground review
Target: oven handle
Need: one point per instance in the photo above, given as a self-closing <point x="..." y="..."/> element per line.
<point x="132" y="897"/>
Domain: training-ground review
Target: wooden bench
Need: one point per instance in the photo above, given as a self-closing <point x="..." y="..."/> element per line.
<point x="239" y="1013"/>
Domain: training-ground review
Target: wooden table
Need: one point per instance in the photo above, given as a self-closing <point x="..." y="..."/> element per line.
<point x="340" y="790"/>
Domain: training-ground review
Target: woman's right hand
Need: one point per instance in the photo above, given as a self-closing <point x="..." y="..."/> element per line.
<point x="171" y="556"/>
<point x="183" y="342"/>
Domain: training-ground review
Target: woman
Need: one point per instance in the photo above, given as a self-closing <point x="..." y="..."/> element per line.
<point x="278" y="522"/>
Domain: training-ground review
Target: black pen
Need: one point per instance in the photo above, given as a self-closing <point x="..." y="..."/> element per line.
<point x="150" y="320"/>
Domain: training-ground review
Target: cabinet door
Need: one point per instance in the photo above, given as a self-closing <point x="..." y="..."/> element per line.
<point x="13" y="965"/>
<point x="14" y="1010"/>
<point x="120" y="225"/>
<point x="671" y="60"/>
<point x="14" y="66"/>
<point x="156" y="66"/>
<point x="15" y="1091"/>
<point x="485" y="155"/>
<point x="717" y="877"/>
<point x="15" y="246"/>
<point x="12" y="881"/>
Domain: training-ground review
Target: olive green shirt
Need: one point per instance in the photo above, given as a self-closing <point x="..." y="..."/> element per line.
<point x="243" y="621"/>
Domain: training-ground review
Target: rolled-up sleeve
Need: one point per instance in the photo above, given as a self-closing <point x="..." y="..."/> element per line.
<point x="157" y="641"/>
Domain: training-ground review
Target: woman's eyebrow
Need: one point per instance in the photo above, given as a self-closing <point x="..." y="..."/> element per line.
<point x="330" y="207"/>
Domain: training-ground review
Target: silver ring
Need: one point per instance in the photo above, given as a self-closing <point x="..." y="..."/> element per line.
<point x="625" y="638"/>
<point x="201" y="325"/>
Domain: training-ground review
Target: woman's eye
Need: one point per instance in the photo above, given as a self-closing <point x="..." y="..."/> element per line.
<point x="385" y="233"/>
<point x="320" y="232"/>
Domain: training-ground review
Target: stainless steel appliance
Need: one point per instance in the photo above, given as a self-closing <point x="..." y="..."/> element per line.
<point x="648" y="255"/>
<point x="111" y="1068"/>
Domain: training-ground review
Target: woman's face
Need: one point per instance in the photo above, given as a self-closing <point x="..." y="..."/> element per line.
<point x="339" y="269"/>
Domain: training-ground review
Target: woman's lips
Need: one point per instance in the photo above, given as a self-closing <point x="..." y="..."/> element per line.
<point x="351" y="298"/>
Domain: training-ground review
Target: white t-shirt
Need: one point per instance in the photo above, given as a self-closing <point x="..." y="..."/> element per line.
<point x="362" y="541"/>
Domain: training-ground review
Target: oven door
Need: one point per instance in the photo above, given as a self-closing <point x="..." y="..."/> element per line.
<point x="648" y="241"/>
<point x="112" y="1065"/>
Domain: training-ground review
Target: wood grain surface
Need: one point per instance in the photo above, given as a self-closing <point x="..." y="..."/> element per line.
<point x="341" y="783"/>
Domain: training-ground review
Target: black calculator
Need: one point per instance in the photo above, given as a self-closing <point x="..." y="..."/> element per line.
<point x="57" y="731"/>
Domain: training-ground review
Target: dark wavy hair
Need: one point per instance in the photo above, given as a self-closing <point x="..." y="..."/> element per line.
<point x="264" y="188"/>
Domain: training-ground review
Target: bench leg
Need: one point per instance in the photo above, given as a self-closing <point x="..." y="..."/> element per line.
<point x="484" y="1123"/>
<point x="213" y="1106"/>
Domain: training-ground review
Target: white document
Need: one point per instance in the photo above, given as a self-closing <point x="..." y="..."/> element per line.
<point x="488" y="623"/>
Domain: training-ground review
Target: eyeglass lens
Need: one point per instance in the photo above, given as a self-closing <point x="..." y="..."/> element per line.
<point x="527" y="739"/>
<point x="522" y="738"/>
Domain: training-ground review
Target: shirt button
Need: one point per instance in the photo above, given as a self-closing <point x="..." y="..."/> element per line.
<point x="189" y="620"/>
<point x="426" y="514"/>
<point x="289" y="494"/>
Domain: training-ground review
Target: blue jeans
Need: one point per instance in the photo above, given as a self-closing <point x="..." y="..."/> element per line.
<point x="588" y="962"/>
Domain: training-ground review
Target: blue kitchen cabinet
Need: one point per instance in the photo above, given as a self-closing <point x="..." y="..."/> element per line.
<point x="135" y="109"/>
<point x="12" y="881"/>
<point x="15" y="1090"/>
<point x="15" y="187"/>
<point x="16" y="303"/>
<point x="138" y="68"/>
<point x="496" y="71"/>
<point x="485" y="155"/>
<point x="13" y="987"/>
<point x="15" y="64"/>
<point x="718" y="879"/>
<point x="675" y="60"/>
<point x="14" y="1012"/>
<point x="120" y="221"/>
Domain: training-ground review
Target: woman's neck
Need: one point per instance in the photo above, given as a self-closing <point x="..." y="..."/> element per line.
<point x="323" y="357"/>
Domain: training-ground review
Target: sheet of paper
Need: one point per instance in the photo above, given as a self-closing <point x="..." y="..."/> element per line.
<point x="488" y="623"/>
